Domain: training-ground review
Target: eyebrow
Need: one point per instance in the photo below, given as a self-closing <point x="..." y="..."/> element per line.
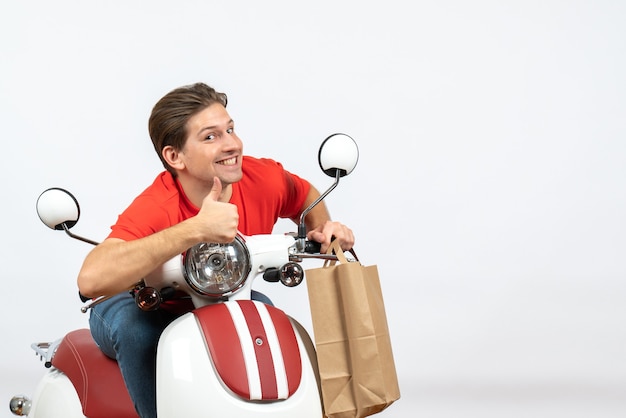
<point x="208" y="128"/>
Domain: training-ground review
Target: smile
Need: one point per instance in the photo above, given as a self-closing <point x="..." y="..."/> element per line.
<point x="230" y="161"/>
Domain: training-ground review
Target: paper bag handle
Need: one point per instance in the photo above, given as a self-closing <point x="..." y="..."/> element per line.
<point x="335" y="248"/>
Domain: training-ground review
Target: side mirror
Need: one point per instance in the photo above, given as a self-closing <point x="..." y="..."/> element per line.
<point x="338" y="155"/>
<point x="57" y="208"/>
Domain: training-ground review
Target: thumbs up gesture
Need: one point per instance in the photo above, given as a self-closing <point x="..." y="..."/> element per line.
<point x="218" y="220"/>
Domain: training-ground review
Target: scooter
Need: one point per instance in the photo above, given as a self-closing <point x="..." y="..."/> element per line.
<point x="229" y="357"/>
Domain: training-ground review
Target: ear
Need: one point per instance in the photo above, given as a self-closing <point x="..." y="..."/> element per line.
<point x="172" y="157"/>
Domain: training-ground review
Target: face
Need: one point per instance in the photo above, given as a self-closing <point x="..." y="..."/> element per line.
<point x="212" y="147"/>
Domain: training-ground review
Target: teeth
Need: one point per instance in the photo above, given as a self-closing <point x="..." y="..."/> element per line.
<point x="230" y="161"/>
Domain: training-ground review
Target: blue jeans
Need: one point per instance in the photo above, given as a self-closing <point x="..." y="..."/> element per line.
<point x="129" y="335"/>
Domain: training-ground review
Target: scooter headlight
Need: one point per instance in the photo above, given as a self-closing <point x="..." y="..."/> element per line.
<point x="217" y="269"/>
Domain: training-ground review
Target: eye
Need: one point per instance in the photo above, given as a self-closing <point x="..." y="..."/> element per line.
<point x="210" y="137"/>
<point x="230" y="130"/>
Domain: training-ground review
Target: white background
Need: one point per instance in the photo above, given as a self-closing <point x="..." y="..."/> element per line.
<point x="490" y="189"/>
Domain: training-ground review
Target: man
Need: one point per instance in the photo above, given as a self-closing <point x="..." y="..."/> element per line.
<point x="208" y="193"/>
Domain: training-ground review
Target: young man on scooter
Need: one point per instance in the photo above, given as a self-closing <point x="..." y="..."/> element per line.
<point x="208" y="192"/>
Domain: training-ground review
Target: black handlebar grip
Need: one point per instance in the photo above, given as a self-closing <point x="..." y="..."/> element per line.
<point x="312" y="247"/>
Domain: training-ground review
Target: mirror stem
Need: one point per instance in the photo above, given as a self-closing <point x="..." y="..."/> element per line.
<point x="67" y="231"/>
<point x="302" y="226"/>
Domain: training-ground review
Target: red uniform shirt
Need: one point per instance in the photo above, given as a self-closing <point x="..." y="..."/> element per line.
<point x="265" y="193"/>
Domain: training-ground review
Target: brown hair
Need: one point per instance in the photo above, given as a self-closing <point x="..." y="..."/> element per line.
<point x="168" y="121"/>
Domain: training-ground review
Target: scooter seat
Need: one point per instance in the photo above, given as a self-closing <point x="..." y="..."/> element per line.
<point x="96" y="377"/>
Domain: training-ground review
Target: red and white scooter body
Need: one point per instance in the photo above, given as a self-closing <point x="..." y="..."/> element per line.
<point x="259" y="364"/>
<point x="239" y="358"/>
<point x="235" y="358"/>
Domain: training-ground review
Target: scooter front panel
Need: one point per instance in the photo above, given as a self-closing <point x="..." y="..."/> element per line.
<point x="188" y="383"/>
<point x="253" y="348"/>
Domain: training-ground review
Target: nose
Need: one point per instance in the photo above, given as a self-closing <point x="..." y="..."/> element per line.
<point x="232" y="141"/>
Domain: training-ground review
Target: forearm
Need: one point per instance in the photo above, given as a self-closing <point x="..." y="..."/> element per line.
<point x="115" y="265"/>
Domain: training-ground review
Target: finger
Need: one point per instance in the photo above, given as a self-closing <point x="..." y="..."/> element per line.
<point x="348" y="241"/>
<point x="342" y="233"/>
<point x="329" y="232"/>
<point x="216" y="190"/>
<point x="316" y="236"/>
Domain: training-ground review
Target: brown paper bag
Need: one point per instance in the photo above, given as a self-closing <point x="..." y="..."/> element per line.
<point x="357" y="371"/>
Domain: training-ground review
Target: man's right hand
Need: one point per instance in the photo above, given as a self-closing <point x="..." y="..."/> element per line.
<point x="218" y="220"/>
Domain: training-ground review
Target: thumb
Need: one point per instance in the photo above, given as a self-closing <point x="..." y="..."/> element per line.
<point x="216" y="190"/>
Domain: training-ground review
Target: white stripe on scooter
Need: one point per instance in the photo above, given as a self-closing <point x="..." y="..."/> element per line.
<point x="249" y="355"/>
<point x="277" y="354"/>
